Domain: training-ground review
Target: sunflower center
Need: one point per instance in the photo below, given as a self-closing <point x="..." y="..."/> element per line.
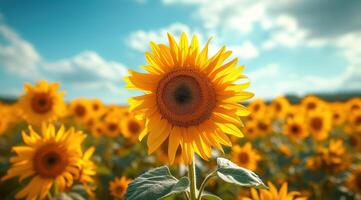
<point x="243" y="157"/>
<point x="317" y="123"/>
<point x="262" y="126"/>
<point x="256" y="107"/>
<point x="311" y="105"/>
<point x="336" y="116"/>
<point x="80" y="111"/>
<point x="50" y="161"/>
<point x="358" y="120"/>
<point x="112" y="126"/>
<point x="41" y="103"/>
<point x="133" y="127"/>
<point x="185" y="97"/>
<point x="278" y="107"/>
<point x="295" y="129"/>
<point x="95" y="107"/>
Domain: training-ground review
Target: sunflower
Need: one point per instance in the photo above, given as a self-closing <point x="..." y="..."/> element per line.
<point x="119" y="186"/>
<point x="257" y="107"/>
<point x="250" y="129"/>
<point x="4" y="123"/>
<point x="41" y="103"/>
<point x="81" y="109"/>
<point x="331" y="159"/>
<point x="274" y="194"/>
<point x="338" y="114"/>
<point x="190" y="99"/>
<point x="263" y="125"/>
<point x="354" y="180"/>
<point x="319" y="124"/>
<point x="354" y="122"/>
<point x="87" y="170"/>
<point x="295" y="111"/>
<point x="353" y="105"/>
<point x="311" y="103"/>
<point x="131" y="127"/>
<point x="98" y="129"/>
<point x="52" y="158"/>
<point x="279" y="107"/>
<point x="295" y="129"/>
<point x="112" y="127"/>
<point x="162" y="154"/>
<point x="245" y="156"/>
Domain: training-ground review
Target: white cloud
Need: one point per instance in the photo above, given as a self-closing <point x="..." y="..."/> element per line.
<point x="245" y="51"/>
<point x="86" y="70"/>
<point x="139" y="40"/>
<point x="16" y="54"/>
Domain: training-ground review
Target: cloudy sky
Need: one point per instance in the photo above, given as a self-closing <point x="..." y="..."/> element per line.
<point x="288" y="47"/>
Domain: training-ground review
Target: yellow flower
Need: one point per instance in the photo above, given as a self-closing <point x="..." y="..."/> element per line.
<point x="338" y="114"/>
<point x="50" y="158"/>
<point x="189" y="98"/>
<point x="319" y="124"/>
<point x="354" y="180"/>
<point x="311" y="103"/>
<point x="250" y="129"/>
<point x="332" y="159"/>
<point x="119" y="186"/>
<point x="354" y="122"/>
<point x="353" y="105"/>
<point x="41" y="103"/>
<point x="87" y="170"/>
<point x="274" y="194"/>
<point x="81" y="110"/>
<point x="246" y="156"/>
<point x="263" y="125"/>
<point x="131" y="127"/>
<point x="257" y="107"/>
<point x="295" y="129"/>
<point x="112" y="127"/>
<point x="280" y="107"/>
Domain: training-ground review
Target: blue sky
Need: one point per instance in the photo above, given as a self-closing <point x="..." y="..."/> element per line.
<point x="288" y="47"/>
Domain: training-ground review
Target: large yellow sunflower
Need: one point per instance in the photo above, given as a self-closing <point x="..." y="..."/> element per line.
<point x="189" y="98"/>
<point x="50" y="158"/>
<point x="41" y="103"/>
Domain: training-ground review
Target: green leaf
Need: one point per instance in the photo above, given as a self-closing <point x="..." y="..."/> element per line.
<point x="231" y="173"/>
<point x="208" y="196"/>
<point x="155" y="184"/>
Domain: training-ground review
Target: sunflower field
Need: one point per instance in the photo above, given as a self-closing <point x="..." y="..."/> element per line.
<point x="195" y="133"/>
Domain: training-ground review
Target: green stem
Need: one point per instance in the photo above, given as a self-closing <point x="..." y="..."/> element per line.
<point x="204" y="183"/>
<point x="192" y="179"/>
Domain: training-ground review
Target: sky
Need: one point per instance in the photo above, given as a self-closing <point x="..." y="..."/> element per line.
<point x="288" y="46"/>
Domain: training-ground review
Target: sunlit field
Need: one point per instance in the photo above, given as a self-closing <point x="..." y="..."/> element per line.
<point x="311" y="146"/>
<point x="180" y="100"/>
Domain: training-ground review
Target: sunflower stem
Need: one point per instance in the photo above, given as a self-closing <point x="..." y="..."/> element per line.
<point x="192" y="179"/>
<point x="204" y="183"/>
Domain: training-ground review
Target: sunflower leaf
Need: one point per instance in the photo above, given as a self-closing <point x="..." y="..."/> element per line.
<point x="156" y="184"/>
<point x="231" y="173"/>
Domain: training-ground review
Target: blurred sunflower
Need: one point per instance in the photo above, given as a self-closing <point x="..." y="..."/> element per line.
<point x="119" y="186"/>
<point x="331" y="159"/>
<point x="51" y="158"/>
<point x="98" y="129"/>
<point x="250" y="129"/>
<point x="354" y="180"/>
<point x="263" y="125"/>
<point x="311" y="103"/>
<point x="257" y="107"/>
<point x="295" y="129"/>
<point x="354" y="122"/>
<point x="131" y="127"/>
<point x="191" y="99"/>
<point x="81" y="110"/>
<point x="87" y="171"/>
<point x="245" y="156"/>
<point x="41" y="103"/>
<point x="319" y="124"/>
<point x="280" y="107"/>
<point x="353" y="105"/>
<point x="274" y="194"/>
<point x="4" y="124"/>
<point x="295" y="111"/>
<point x="112" y="127"/>
<point x="338" y="114"/>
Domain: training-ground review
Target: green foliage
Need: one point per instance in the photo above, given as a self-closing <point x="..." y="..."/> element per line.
<point x="231" y="173"/>
<point x="157" y="183"/>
